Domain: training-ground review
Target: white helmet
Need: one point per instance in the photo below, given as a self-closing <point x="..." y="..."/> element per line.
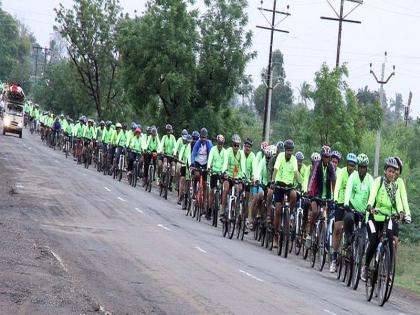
<point x="270" y="151"/>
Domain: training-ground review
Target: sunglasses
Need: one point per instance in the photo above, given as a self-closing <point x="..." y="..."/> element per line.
<point x="236" y="145"/>
<point x="195" y="138"/>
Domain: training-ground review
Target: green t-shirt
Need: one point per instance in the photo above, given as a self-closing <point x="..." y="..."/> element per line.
<point x="167" y="144"/>
<point x="249" y="162"/>
<point x="216" y="159"/>
<point x="234" y="164"/>
<point x="340" y="185"/>
<point x="285" y="169"/>
<point x="357" y="191"/>
<point x="379" y="195"/>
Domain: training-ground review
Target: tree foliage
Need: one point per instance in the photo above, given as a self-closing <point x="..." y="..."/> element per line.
<point x="89" y="26"/>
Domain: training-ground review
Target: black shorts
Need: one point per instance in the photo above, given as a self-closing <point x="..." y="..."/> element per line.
<point x="183" y="171"/>
<point x="279" y="193"/>
<point x="339" y="212"/>
<point x="213" y="180"/>
<point x="380" y="226"/>
<point x="203" y="170"/>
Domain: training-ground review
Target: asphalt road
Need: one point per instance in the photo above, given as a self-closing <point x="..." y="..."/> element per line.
<point x="77" y="242"/>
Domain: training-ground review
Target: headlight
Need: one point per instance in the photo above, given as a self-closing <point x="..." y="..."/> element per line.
<point x="6" y="121"/>
<point x="20" y="125"/>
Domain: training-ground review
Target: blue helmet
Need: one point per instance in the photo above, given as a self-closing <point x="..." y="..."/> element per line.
<point x="336" y="154"/>
<point x="195" y="134"/>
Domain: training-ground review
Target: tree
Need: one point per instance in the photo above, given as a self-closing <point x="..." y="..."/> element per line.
<point x="282" y="96"/>
<point x="89" y="26"/>
<point x="395" y="110"/>
<point x="15" y="48"/>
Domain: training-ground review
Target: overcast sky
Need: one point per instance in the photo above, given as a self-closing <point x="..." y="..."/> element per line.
<point x="387" y="25"/>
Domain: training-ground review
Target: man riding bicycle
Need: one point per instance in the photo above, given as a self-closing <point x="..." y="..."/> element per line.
<point x="134" y="150"/>
<point x="339" y="192"/>
<point x="249" y="173"/>
<point x="152" y="146"/>
<point x="183" y="156"/>
<point x="167" y="147"/>
<point x="284" y="174"/>
<point x="215" y="166"/>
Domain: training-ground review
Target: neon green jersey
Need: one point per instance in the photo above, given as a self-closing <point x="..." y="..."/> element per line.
<point x="357" y="191"/>
<point x="216" y="159"/>
<point x="340" y="185"/>
<point x="285" y="169"/>
<point x="234" y="164"/>
<point x="380" y="199"/>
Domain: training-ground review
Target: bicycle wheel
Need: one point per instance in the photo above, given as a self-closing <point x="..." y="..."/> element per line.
<point x="238" y="225"/>
<point x="358" y="250"/>
<point x="322" y="257"/>
<point x="225" y="226"/>
<point x="286" y="232"/>
<point x="165" y="192"/>
<point x="135" y="173"/>
<point x="216" y="207"/>
<point x="391" y="278"/>
<point x="232" y="221"/>
<point x="349" y="267"/>
<point x="120" y="173"/>
<point x="292" y="237"/>
<point x="243" y="228"/>
<point x="280" y="238"/>
<point x="298" y="238"/>
<point x="371" y="279"/>
<point x="262" y="234"/>
<point x="384" y="269"/>
<point x="314" y="246"/>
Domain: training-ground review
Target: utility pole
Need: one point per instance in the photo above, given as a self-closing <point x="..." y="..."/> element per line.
<point x="407" y="109"/>
<point x="36" y="48"/>
<point x="46" y="50"/>
<point x="382" y="100"/>
<point x="269" y="92"/>
<point x="342" y="18"/>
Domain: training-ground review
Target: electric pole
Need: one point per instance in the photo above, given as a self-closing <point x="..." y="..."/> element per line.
<point x="36" y="48"/>
<point x="269" y="92"/>
<point x="342" y="18"/>
<point x="382" y="100"/>
<point x="46" y="50"/>
<point x="407" y="109"/>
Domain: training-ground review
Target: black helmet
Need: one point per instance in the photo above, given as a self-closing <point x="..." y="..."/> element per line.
<point x="289" y="144"/>
<point x="248" y="141"/>
<point x="203" y="132"/>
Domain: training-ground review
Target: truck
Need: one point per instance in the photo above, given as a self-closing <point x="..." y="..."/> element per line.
<point x="13" y="117"/>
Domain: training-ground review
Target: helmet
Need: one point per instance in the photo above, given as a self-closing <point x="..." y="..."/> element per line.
<point x="264" y="144"/>
<point x="315" y="157"/>
<point x="270" y="151"/>
<point x="289" y="144"/>
<point x="300" y="156"/>
<point x="391" y="162"/>
<point x="90" y="120"/>
<point x="168" y="127"/>
<point x="195" y="134"/>
<point x="351" y="157"/>
<point x="362" y="159"/>
<point x="62" y="115"/>
<point x="108" y="123"/>
<point x="185" y="137"/>
<point x="220" y="139"/>
<point x="337" y="155"/>
<point x="138" y="130"/>
<point x="133" y="125"/>
<point x="118" y="125"/>
<point x="184" y="132"/>
<point x="139" y="125"/>
<point x="280" y="146"/>
<point x="249" y="141"/>
<point x="189" y="138"/>
<point x="148" y="128"/>
<point x="326" y="150"/>
<point x="102" y="123"/>
<point x="236" y="139"/>
<point x="203" y="132"/>
<point x="153" y="130"/>
<point x="400" y="163"/>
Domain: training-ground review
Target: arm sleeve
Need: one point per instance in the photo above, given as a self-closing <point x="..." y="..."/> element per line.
<point x="306" y="179"/>
<point x="210" y="160"/>
<point x="349" y="189"/>
<point x="374" y="191"/>
<point x="337" y="185"/>
<point x="398" y="201"/>
<point x="243" y="164"/>
<point x="226" y="160"/>
<point x="160" y="144"/>
<point x="194" y="152"/>
<point x="404" y="199"/>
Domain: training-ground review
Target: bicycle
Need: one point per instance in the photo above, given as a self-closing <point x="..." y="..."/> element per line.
<point x="151" y="171"/>
<point x="358" y="245"/>
<point x="100" y="158"/>
<point x="283" y="234"/>
<point x="119" y="165"/>
<point x="135" y="173"/>
<point x="87" y="154"/>
<point x="217" y="199"/>
<point x="318" y="246"/>
<point x="67" y="146"/>
<point x="198" y="195"/>
<point x="229" y="221"/>
<point x="382" y="275"/>
<point x="296" y="221"/>
<point x="165" y="176"/>
<point x="241" y="215"/>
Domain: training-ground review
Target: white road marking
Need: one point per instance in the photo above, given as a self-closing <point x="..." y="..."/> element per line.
<point x="56" y="161"/>
<point x="119" y="198"/>
<point x="29" y="148"/>
<point x="164" y="227"/>
<point x="104" y="311"/>
<point x="138" y="210"/>
<point x="107" y="189"/>
<point x="250" y="275"/>
<point x="19" y="185"/>
<point x="58" y="259"/>
<point x="200" y="249"/>
<point x="329" y="312"/>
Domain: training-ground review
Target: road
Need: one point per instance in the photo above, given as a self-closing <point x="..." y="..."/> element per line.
<point x="77" y="242"/>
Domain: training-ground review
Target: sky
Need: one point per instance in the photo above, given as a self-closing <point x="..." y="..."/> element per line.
<point x="387" y="25"/>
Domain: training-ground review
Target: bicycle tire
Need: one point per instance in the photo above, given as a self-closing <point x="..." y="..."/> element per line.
<point x="383" y="275"/>
<point x="216" y="208"/>
<point x="243" y="228"/>
<point x="314" y="247"/>
<point x="135" y="173"/>
<point x="280" y="239"/>
<point x="232" y="222"/>
<point x="357" y="248"/>
<point x="321" y="246"/>
<point x="391" y="278"/>
<point x="298" y="241"/>
<point x="167" y="178"/>
<point x="286" y="233"/>
<point x="238" y="225"/>
<point x="270" y="238"/>
<point x="225" y="226"/>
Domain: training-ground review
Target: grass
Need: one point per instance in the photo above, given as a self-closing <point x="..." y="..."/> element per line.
<point x="408" y="267"/>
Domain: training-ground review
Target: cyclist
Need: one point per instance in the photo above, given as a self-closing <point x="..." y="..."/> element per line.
<point x="55" y="134"/>
<point x="385" y="195"/>
<point x="403" y="190"/>
<point x="167" y="147"/>
<point x="339" y="192"/>
<point x="179" y="143"/>
<point x="260" y="154"/>
<point x="234" y="167"/>
<point x="356" y="196"/>
<point x="118" y="141"/>
<point x="262" y="175"/>
<point x="183" y="156"/>
<point x="303" y="171"/>
<point x="321" y="186"/>
<point x="215" y="166"/>
<point x="335" y="160"/>
<point x="249" y="173"/>
<point x="106" y="136"/>
<point x="284" y="175"/>
<point x="199" y="158"/>
<point x="134" y="149"/>
<point x="152" y="146"/>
